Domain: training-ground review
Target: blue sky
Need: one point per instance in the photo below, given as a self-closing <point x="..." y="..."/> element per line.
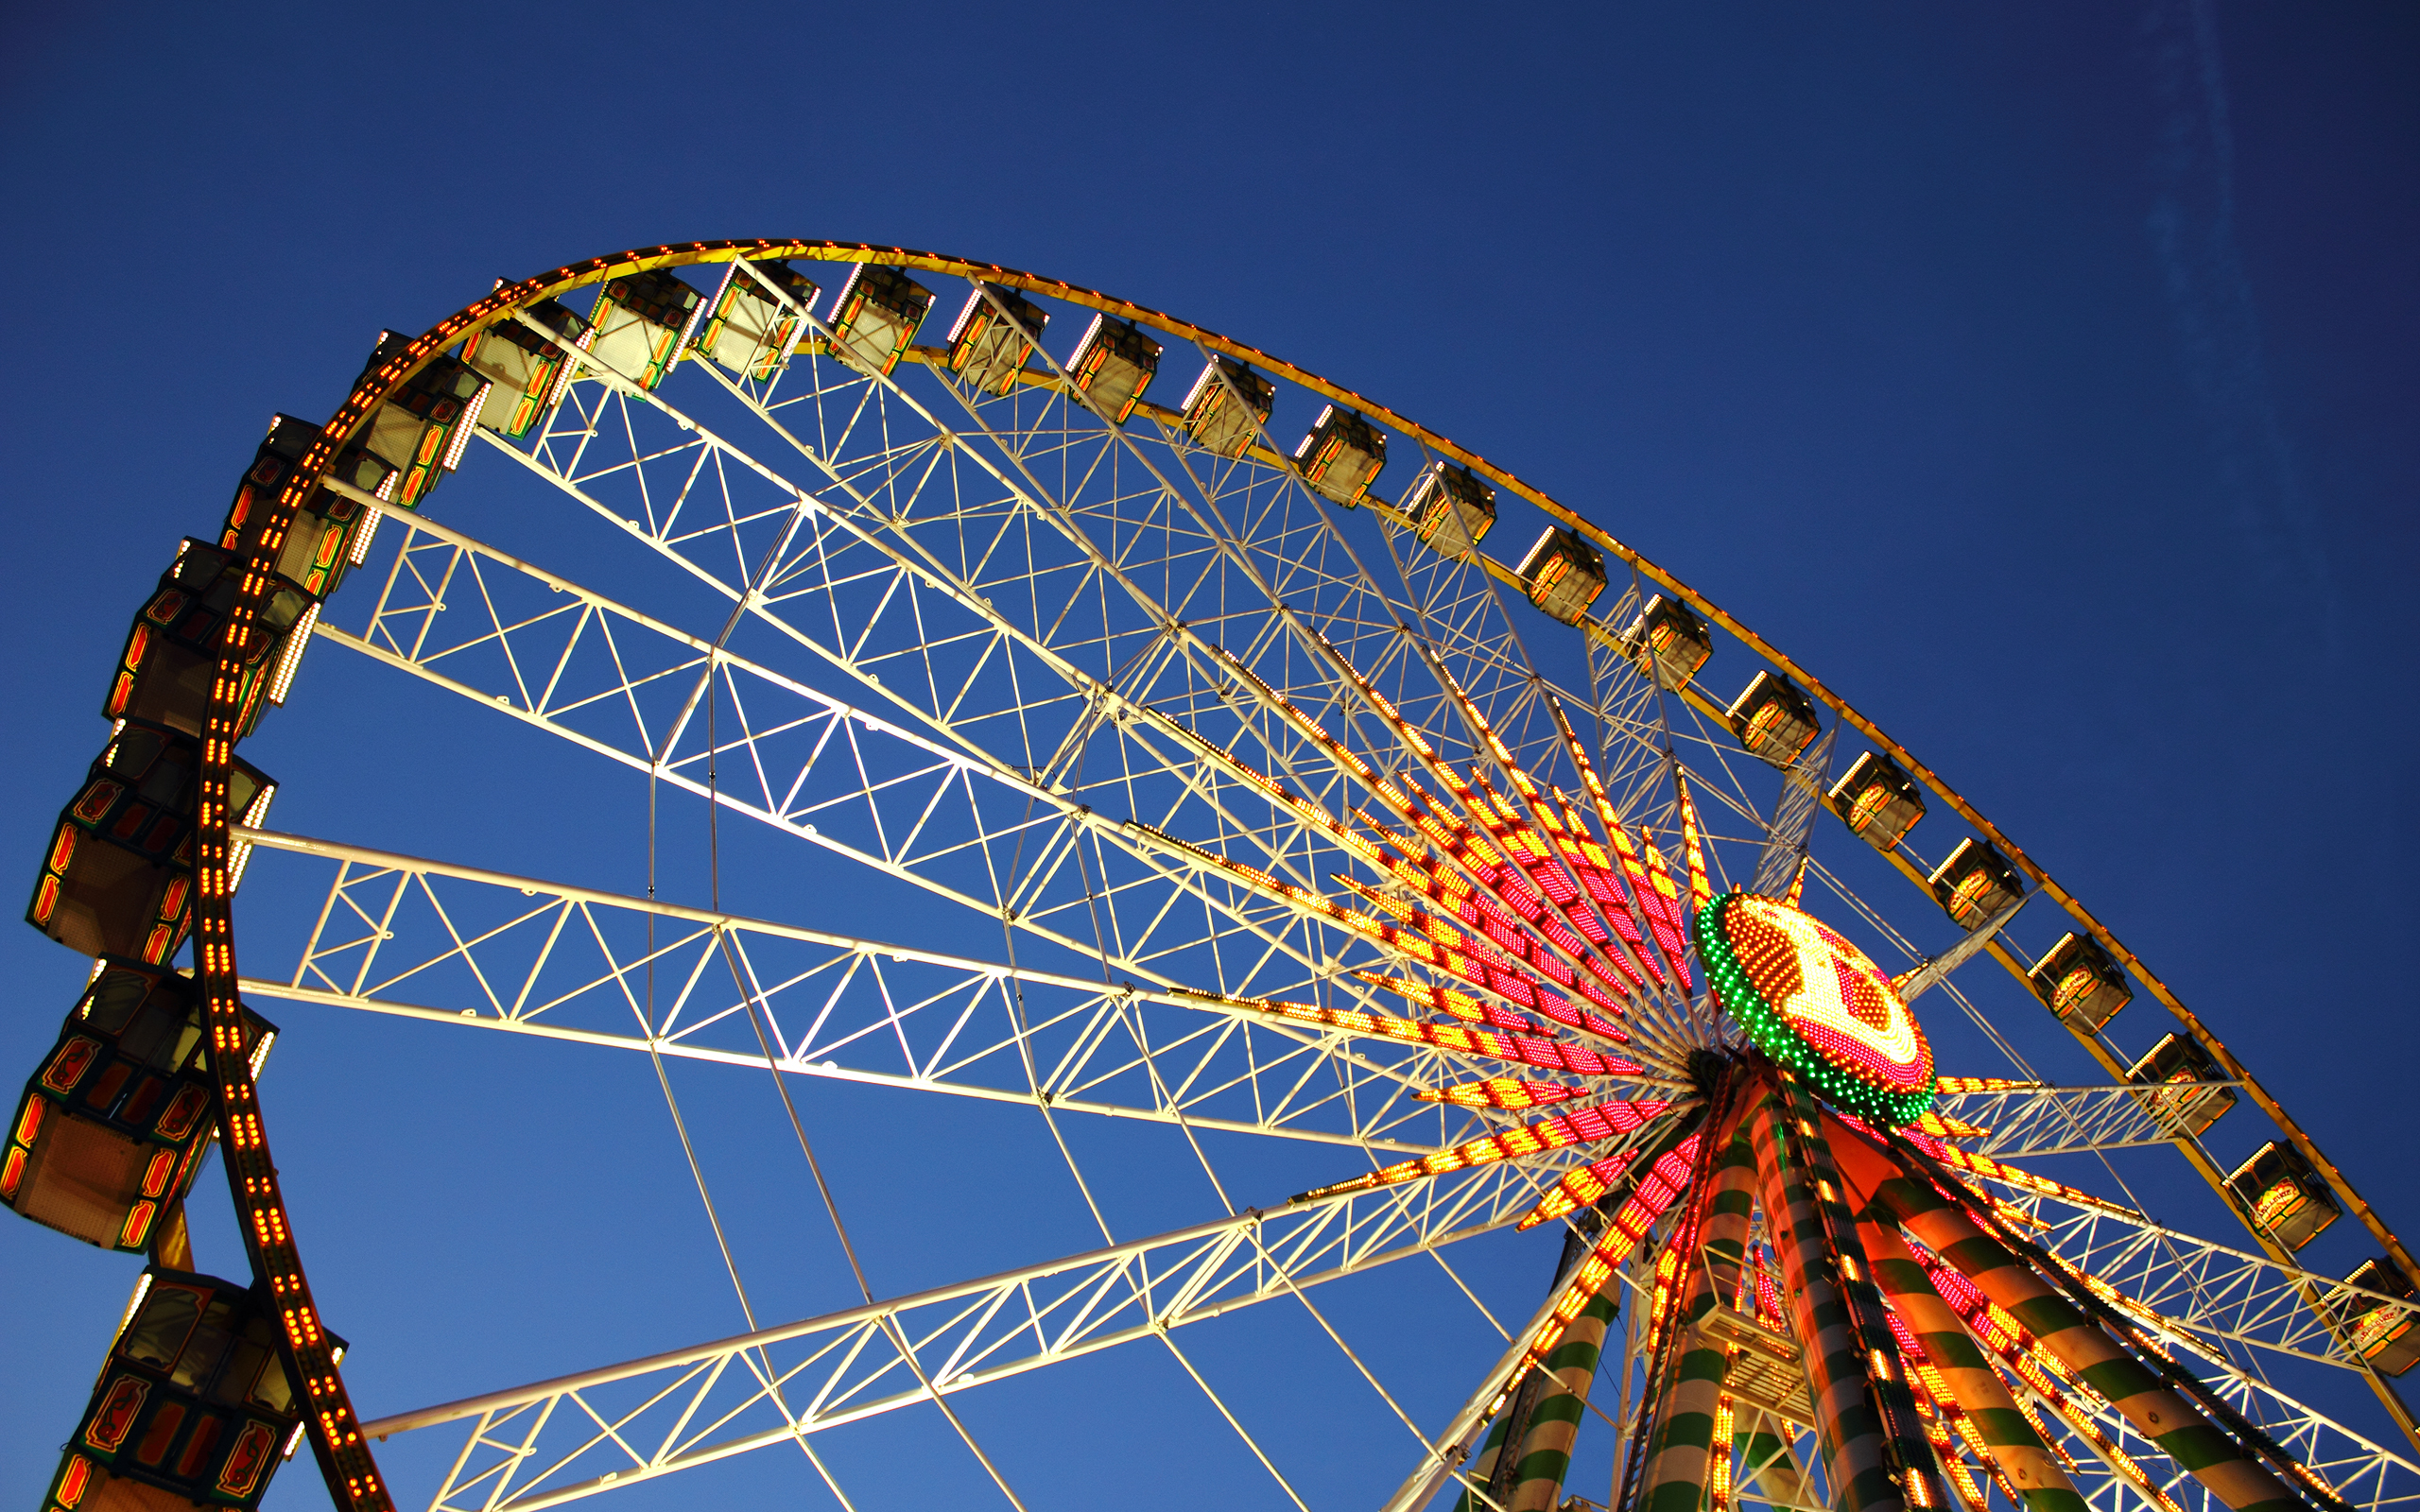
<point x="2045" y="381"/>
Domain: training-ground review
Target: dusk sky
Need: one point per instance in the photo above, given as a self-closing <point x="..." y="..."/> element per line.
<point x="2045" y="379"/>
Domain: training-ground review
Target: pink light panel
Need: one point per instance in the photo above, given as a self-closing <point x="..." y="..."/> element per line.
<point x="1768" y="1293"/>
<point x="1501" y="1091"/>
<point x="1693" y="844"/>
<point x="1578" y="1188"/>
<point x="1588" y="1126"/>
<point x="1527" y="1050"/>
<point x="1585" y="1185"/>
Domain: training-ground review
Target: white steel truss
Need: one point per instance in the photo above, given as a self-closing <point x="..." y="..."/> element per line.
<point x="460" y="945"/>
<point x="2033" y="1120"/>
<point x="2206" y="1295"/>
<point x="619" y="1425"/>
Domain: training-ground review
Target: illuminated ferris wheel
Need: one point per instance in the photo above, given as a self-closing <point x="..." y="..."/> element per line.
<point x="1689" y="1066"/>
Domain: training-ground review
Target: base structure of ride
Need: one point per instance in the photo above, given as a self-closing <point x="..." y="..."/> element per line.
<point x="1286" y="841"/>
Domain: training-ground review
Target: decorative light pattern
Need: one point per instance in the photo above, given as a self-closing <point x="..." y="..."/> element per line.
<point x="1652" y="882"/>
<point x="1814" y="1003"/>
<point x="1768" y="1308"/>
<point x="1626" y="857"/>
<point x="1718" y="1485"/>
<point x="1586" y="1127"/>
<point x="1580" y="1187"/>
<point x="2280" y="1202"/>
<point x="1527" y="1050"/>
<point x="1508" y="853"/>
<point x="1499" y="1092"/>
<point x="1664" y="1182"/>
<point x="1588" y="1279"/>
<point x="1939" y="1408"/>
<point x="2025" y="1358"/>
<point x="1451" y="1001"/>
<point x="1417" y="934"/>
<point x="1948" y="1086"/>
<point x="1693" y="846"/>
<point x="1941" y="1126"/>
<point x="1546" y="922"/>
<point x="1991" y="1170"/>
<point x="1463" y="1006"/>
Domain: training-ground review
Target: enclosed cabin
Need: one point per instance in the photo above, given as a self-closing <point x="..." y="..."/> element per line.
<point x="876" y="317"/>
<point x="1563" y="573"/>
<point x="1451" y="508"/>
<point x="114" y="1124"/>
<point x="753" y="320"/>
<point x="194" y="1407"/>
<point x="1669" y="641"/>
<point x="2380" y="1332"/>
<point x="1877" y="800"/>
<point x="528" y="370"/>
<point x="1773" y="718"/>
<point x="1228" y="406"/>
<point x="1112" y="365"/>
<point x="166" y="669"/>
<point x="424" y="425"/>
<point x="118" y="877"/>
<point x="993" y="334"/>
<point x="2282" y="1197"/>
<point x="1975" y="882"/>
<point x="330" y="531"/>
<point x="640" y="322"/>
<point x="2176" y="1065"/>
<point x="1340" y="456"/>
<point x="2081" y="982"/>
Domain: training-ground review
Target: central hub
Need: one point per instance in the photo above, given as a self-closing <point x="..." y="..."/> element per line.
<point x="1815" y="1003"/>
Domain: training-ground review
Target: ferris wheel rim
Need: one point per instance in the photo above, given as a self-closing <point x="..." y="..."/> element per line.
<point x="376" y="386"/>
<point x="498" y="306"/>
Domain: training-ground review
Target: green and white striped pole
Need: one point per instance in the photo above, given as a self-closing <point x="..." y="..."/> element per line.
<point x="1541" y="1401"/>
<point x="1554" y="1422"/>
<point x="1679" y="1460"/>
<point x="1482" y="1466"/>
<point x="2138" y="1394"/>
<point x="1875" y="1458"/>
<point x="1977" y="1387"/>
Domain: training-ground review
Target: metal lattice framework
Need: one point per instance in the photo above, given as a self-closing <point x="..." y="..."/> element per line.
<point x="1127" y="705"/>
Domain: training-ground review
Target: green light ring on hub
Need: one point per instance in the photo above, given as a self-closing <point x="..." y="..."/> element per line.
<point x="1784" y="1044"/>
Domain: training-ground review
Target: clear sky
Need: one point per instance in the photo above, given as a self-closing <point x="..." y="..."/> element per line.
<point x="2045" y="379"/>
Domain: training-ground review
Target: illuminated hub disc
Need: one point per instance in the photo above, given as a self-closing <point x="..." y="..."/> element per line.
<point x="1814" y="1003"/>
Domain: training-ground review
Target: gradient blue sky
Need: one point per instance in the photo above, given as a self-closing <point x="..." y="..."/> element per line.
<point x="2044" y="377"/>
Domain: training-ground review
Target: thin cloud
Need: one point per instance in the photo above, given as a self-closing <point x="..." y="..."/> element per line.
<point x="2192" y="222"/>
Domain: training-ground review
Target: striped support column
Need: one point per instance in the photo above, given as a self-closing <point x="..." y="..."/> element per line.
<point x="1497" y="1468"/>
<point x="1482" y="1465"/>
<point x="2180" y="1430"/>
<point x="1554" y="1423"/>
<point x="1874" y="1455"/>
<point x="1686" y="1430"/>
<point x="1977" y="1387"/>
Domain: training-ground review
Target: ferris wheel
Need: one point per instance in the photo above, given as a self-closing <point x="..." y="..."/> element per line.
<point x="1115" y="729"/>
